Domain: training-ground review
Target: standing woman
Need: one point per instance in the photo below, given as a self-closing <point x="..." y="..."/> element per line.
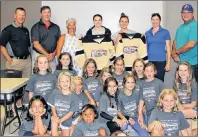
<point x="98" y="29"/>
<point x="123" y="22"/>
<point x="159" y="48"/>
<point x="68" y="42"/>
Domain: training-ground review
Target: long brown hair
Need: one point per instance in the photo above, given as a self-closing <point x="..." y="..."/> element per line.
<point x="36" y="69"/>
<point x="85" y="73"/>
<point x="133" y="70"/>
<point x="178" y="79"/>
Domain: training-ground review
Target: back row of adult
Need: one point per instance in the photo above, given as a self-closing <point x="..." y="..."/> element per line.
<point x="46" y="40"/>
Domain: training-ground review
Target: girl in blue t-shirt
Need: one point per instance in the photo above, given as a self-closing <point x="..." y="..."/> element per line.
<point x="168" y="114"/>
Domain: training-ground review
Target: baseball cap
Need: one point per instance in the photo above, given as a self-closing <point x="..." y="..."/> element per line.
<point x="187" y="7"/>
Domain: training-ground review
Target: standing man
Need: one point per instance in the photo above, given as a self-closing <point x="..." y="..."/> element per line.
<point x="45" y="35"/>
<point x="15" y="44"/>
<point x="185" y="44"/>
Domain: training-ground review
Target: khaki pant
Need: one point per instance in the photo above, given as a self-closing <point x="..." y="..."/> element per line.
<point x="23" y="65"/>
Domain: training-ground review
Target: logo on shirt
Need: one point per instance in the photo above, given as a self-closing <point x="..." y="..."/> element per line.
<point x="98" y="53"/>
<point x="130" y="49"/>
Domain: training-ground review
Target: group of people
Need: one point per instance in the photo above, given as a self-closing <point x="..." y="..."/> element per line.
<point x="99" y="84"/>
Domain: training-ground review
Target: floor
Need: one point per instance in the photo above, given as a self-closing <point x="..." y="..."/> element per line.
<point x="10" y="128"/>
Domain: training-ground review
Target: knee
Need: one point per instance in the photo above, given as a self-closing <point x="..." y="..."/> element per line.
<point x="102" y="132"/>
<point x="28" y="133"/>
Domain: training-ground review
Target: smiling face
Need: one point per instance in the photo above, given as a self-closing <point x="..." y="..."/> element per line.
<point x="139" y="68"/>
<point x="64" y="82"/>
<point x="124" y="23"/>
<point x="112" y="88"/>
<point x="187" y="16"/>
<point x="97" y="21"/>
<point x="71" y="27"/>
<point x="168" y="103"/>
<point x="149" y="72"/>
<point x="65" y="61"/>
<point x="90" y="69"/>
<point x="129" y="84"/>
<point x="43" y="64"/>
<point x="183" y="72"/>
<point x="78" y="85"/>
<point x="19" y="17"/>
<point x="46" y="15"/>
<point x="88" y="116"/>
<point x="105" y="75"/>
<point x="155" y="21"/>
<point x="119" y="66"/>
<point x="37" y="107"/>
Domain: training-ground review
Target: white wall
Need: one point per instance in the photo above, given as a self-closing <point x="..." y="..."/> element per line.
<point x="139" y="13"/>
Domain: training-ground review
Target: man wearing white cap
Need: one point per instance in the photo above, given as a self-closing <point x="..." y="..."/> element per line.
<point x="185" y="43"/>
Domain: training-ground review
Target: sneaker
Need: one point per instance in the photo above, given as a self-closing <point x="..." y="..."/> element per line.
<point x="10" y="113"/>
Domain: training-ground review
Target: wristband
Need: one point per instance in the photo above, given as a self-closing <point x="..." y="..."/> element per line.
<point x="114" y="119"/>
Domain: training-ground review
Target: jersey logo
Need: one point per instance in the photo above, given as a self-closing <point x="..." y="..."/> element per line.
<point x="98" y="53"/>
<point x="130" y="49"/>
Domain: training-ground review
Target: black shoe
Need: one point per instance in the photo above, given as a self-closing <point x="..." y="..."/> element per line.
<point x="10" y="113"/>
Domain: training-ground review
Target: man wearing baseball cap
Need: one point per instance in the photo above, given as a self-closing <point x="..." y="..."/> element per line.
<point x="185" y="43"/>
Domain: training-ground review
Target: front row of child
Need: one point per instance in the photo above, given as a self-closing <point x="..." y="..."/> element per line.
<point x="116" y="109"/>
<point x="118" y="106"/>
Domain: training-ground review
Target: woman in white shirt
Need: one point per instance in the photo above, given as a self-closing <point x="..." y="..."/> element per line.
<point x="68" y="42"/>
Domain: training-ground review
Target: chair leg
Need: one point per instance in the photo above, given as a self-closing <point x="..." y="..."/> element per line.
<point x="5" y="117"/>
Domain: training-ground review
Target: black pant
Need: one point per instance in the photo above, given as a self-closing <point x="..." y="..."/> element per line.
<point x="113" y="126"/>
<point x="195" y="72"/>
<point x="160" y="66"/>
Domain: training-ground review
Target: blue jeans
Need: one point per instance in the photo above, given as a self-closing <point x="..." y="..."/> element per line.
<point x="139" y="130"/>
<point x="160" y="65"/>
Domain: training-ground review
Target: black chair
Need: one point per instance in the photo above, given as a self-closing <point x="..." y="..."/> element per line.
<point x="10" y="73"/>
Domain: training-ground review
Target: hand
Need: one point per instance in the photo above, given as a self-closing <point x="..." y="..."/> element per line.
<point x="51" y="55"/>
<point x="124" y="121"/>
<point x="10" y="61"/>
<point x="131" y="121"/>
<point x="56" y="119"/>
<point x="44" y="111"/>
<point x="80" y="36"/>
<point x="141" y="122"/>
<point x="175" y="56"/>
<point x="167" y="67"/>
<point x="119" y="37"/>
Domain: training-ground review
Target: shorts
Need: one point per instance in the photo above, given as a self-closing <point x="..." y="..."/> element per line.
<point x="75" y="122"/>
<point x="63" y="127"/>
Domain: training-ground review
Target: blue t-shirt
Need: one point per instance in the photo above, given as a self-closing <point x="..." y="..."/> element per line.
<point x="184" y="34"/>
<point x="157" y="44"/>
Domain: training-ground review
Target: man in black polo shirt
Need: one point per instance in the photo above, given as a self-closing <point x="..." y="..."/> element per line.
<point x="15" y="44"/>
<point x="45" y="35"/>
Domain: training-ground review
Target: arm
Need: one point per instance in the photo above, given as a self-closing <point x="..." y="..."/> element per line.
<point x="60" y="45"/>
<point x="36" y="128"/>
<point x="53" y="111"/>
<point x="168" y="55"/>
<point x="39" y="47"/>
<point x="89" y="97"/>
<point x="188" y="46"/>
<point x="5" y="54"/>
<point x="184" y="132"/>
<point x="31" y="94"/>
<point x="191" y="105"/>
<point x="66" y="117"/>
<point x="41" y="127"/>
